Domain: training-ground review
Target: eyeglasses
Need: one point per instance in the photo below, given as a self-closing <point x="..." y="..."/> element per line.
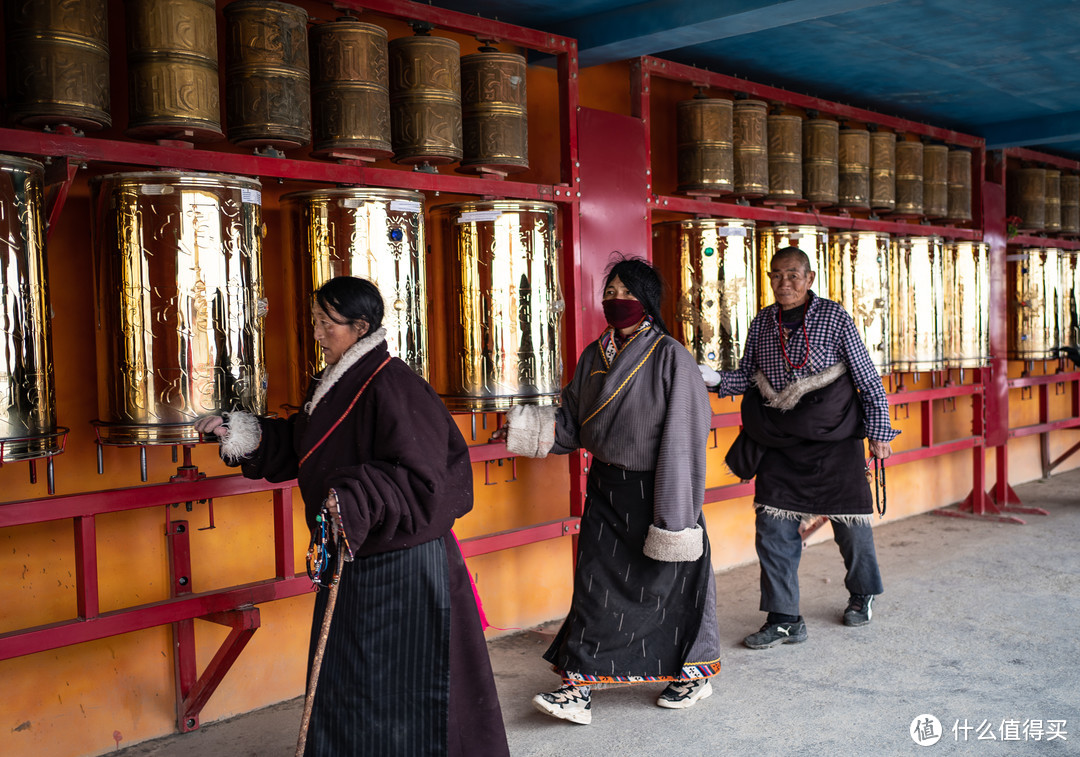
<point x="777" y="276"/>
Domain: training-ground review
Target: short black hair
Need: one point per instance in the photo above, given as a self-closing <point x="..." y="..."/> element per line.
<point x="791" y="252"/>
<point x="353" y="298"/>
<point x="640" y="277"/>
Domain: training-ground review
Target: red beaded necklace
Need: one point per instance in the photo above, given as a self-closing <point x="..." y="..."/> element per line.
<point x="783" y="347"/>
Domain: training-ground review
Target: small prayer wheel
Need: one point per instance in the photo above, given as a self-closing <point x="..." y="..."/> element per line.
<point x="494" y="121"/>
<point x="1053" y="200"/>
<point x="1026" y="197"/>
<point x="909" y="178"/>
<point x="854" y="168"/>
<point x="882" y="170"/>
<point x="821" y="182"/>
<point x="425" y="100"/>
<point x="785" y="159"/>
<point x="935" y="181"/>
<point x="750" y="145"/>
<point x="706" y="159"/>
<point x="1070" y="204"/>
<point x="959" y="184"/>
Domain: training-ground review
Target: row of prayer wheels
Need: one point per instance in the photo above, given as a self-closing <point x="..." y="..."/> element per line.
<point x="738" y="148"/>
<point x="1044" y="199"/>
<point x="356" y="96"/>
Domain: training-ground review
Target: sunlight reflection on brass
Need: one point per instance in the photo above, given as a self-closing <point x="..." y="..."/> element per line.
<point x="1032" y="285"/>
<point x="967" y="304"/>
<point x="859" y="280"/>
<point x="917" y="304"/>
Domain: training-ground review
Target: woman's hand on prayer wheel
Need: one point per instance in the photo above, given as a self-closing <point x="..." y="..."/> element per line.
<point x="212" y="424"/>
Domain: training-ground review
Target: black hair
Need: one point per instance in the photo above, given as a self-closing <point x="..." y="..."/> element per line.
<point x="791" y="252"/>
<point x="353" y="298"/>
<point x="641" y="279"/>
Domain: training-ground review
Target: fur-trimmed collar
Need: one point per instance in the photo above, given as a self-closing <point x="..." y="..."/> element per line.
<point x="348" y="359"/>
<point x="789" y="397"/>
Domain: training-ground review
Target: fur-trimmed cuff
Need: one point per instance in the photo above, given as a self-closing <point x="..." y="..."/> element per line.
<point x="243" y="438"/>
<point x="530" y="430"/>
<point x="675" y="546"/>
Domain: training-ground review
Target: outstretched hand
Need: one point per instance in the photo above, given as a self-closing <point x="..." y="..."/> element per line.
<point x="709" y="376"/>
<point x="498" y="434"/>
<point x="212" y="424"/>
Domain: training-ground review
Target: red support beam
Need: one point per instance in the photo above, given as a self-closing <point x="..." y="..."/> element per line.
<point x="243" y="624"/>
<point x="516" y="537"/>
<point x="86" y="567"/>
<point x="284" y="561"/>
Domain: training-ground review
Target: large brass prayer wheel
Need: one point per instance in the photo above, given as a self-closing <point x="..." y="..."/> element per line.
<point x="425" y="100"/>
<point x="28" y="406"/>
<point x="1070" y="204"/>
<point x="350" y="90"/>
<point x="1053" y="200"/>
<point x="503" y="304"/>
<point x="966" y="279"/>
<point x="494" y="117"/>
<point x="706" y="157"/>
<point x="750" y="147"/>
<point x="917" y="304"/>
<point x="267" y="74"/>
<point x="813" y="240"/>
<point x="172" y="70"/>
<point x="711" y="264"/>
<point x="1026" y="197"/>
<point x="821" y="148"/>
<point x="179" y="302"/>
<point x="959" y="184"/>
<point x="1069" y="286"/>
<point x="935" y="181"/>
<point x="909" y="178"/>
<point x="882" y="170"/>
<point x="1034" y="313"/>
<point x="859" y="280"/>
<point x="57" y="62"/>
<point x="375" y="234"/>
<point x="785" y="159"/>
<point x="854" y="168"/>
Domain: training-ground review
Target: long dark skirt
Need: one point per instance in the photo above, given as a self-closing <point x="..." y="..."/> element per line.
<point x="406" y="671"/>
<point x="633" y="618"/>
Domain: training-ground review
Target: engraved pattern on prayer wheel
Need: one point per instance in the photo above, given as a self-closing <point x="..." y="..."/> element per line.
<point x="375" y="234"/>
<point x="859" y="280"/>
<point x="27" y="392"/>
<point x="425" y="100"/>
<point x="821" y="147"/>
<point x="917" y="304"/>
<point x="813" y="240"/>
<point x="1026" y="197"/>
<point x="1070" y="297"/>
<point x="750" y="147"/>
<point x="966" y="280"/>
<point x="1070" y="204"/>
<point x="909" y="178"/>
<point x="172" y="57"/>
<point x="1053" y="200"/>
<point x="854" y="168"/>
<point x="706" y="156"/>
<point x="785" y="159"/>
<point x="504" y="304"/>
<point x="268" y="77"/>
<point x="935" y="181"/>
<point x="882" y="170"/>
<point x="494" y="117"/>
<point x="350" y="90"/>
<point x="711" y="264"/>
<point x="179" y="302"/>
<point x="959" y="184"/>
<point x="1034" y="311"/>
<point x="57" y="63"/>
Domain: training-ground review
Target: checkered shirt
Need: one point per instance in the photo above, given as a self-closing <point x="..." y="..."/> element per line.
<point x="833" y="339"/>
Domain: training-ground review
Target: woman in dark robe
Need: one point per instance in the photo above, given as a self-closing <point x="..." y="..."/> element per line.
<point x="406" y="669"/>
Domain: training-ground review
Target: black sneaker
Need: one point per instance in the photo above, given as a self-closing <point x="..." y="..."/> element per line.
<point x="682" y="694"/>
<point x="772" y="634"/>
<point x="573" y="703"/>
<point x="859" y="610"/>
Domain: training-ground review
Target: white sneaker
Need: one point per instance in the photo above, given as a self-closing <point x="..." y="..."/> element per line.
<point x="682" y="694"/>
<point x="573" y="703"/>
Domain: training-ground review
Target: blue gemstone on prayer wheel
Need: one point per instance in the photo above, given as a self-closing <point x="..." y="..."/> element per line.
<point x="395" y="235"/>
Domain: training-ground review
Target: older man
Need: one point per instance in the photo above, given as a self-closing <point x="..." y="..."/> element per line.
<point x="810" y="396"/>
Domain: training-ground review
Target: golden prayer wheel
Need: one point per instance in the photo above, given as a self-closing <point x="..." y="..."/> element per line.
<point x="267" y="74"/>
<point x="917" y="304"/>
<point x="821" y="147"/>
<point x="813" y="240"/>
<point x="785" y="159"/>
<point x="179" y="302"/>
<point x="909" y="178"/>
<point x="1070" y="298"/>
<point x="425" y="100"/>
<point x="706" y="158"/>
<point x="750" y="148"/>
<point x="350" y="90"/>
<point x="375" y="234"/>
<point x="859" y="280"/>
<point x="882" y="170"/>
<point x="1053" y="200"/>
<point x="172" y="70"/>
<point x="57" y="63"/>
<point x="1026" y="197"/>
<point x="28" y="408"/>
<point x="494" y="118"/>
<point x="503" y="304"/>
<point x="1070" y="204"/>
<point x="710" y="263"/>
<point x="854" y="168"/>
<point x="959" y="184"/>
<point x="935" y="181"/>
<point x="966" y="281"/>
<point x="1034" y="313"/>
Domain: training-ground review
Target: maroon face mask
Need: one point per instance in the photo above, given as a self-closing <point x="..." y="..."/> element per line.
<point x="622" y="314"/>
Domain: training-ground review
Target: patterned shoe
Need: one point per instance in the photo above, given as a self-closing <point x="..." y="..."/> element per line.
<point x="682" y="694"/>
<point x="571" y="703"/>
<point x="777" y="633"/>
<point x="859" y="610"/>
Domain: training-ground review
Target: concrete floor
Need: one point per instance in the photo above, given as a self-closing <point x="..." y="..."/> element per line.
<point x="978" y="626"/>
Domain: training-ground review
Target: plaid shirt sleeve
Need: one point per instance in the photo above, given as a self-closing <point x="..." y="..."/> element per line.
<point x="738" y="380"/>
<point x="867" y="380"/>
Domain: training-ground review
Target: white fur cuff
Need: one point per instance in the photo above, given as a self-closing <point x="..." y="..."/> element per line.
<point x="530" y="430"/>
<point x="243" y="438"/>
<point x="675" y="546"/>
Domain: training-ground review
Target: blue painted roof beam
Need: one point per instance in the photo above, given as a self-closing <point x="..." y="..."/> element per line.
<point x="1042" y="130"/>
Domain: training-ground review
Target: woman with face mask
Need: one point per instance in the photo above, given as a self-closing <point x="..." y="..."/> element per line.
<point x="644" y="604"/>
